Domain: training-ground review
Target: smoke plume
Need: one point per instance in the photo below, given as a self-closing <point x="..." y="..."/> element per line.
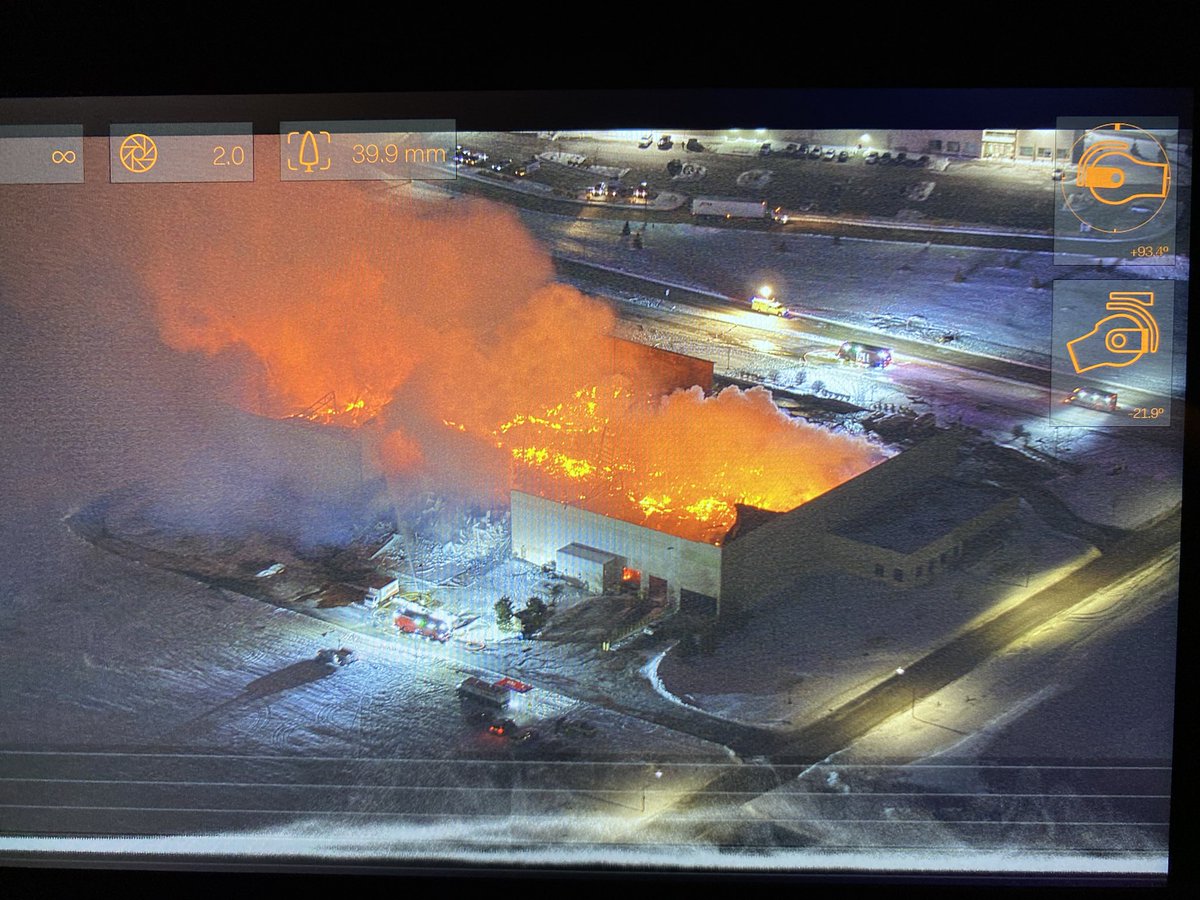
<point x="440" y="325"/>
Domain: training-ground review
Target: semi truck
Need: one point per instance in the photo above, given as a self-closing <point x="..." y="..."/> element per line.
<point x="730" y="209"/>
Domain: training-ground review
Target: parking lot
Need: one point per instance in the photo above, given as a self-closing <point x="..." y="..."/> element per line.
<point x="960" y="191"/>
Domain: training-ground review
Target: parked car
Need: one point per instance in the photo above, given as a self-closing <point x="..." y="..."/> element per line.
<point x="665" y="142"/>
<point x="830" y="155"/>
<point x="843" y="156"/>
<point x="814" y="152"/>
<point x="342" y="656"/>
<point x="765" y="149"/>
<point x="885" y="158"/>
<point x="872" y="158"/>
<point x="646" y="141"/>
<point x="693" y="145"/>
<point x="1093" y="399"/>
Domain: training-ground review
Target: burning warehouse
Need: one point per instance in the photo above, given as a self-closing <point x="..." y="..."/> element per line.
<point x="509" y="387"/>
<point x="875" y="525"/>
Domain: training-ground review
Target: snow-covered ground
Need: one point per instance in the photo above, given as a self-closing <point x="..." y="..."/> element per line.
<point x="1056" y="729"/>
<point x="1124" y="481"/>
<point x="833" y="637"/>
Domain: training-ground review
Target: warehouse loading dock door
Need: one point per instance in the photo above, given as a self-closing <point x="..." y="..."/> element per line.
<point x="657" y="591"/>
<point x="631" y="579"/>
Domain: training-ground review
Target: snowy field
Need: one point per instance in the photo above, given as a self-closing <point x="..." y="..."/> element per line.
<point x="1124" y="481"/>
<point x="998" y="301"/>
<point x="833" y="637"/>
<point x="1048" y="731"/>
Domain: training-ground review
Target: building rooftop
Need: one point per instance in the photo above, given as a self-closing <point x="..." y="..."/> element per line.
<point x="922" y="514"/>
<point x="749" y="518"/>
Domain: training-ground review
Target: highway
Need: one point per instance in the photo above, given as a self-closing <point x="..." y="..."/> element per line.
<point x="947" y="377"/>
<point x="803" y="324"/>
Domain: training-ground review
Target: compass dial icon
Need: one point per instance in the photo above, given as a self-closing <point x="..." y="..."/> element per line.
<point x="138" y="153"/>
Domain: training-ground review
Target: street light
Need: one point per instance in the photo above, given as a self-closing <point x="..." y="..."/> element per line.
<point x="657" y="774"/>
<point x="912" y="689"/>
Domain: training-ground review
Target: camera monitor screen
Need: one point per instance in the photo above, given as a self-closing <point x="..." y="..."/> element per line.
<point x="511" y="481"/>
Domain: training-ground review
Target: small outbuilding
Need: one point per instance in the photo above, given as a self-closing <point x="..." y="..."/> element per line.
<point x="596" y="570"/>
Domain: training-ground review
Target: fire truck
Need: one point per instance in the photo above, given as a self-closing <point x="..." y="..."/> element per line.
<point x="497" y="694"/>
<point x="864" y="355"/>
<point x="417" y="621"/>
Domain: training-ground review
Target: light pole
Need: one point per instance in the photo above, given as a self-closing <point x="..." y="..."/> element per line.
<point x="913" y="691"/>
<point x="657" y="774"/>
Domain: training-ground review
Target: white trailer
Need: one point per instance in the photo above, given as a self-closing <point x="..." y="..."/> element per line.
<point x="729" y="208"/>
<point x="379" y="590"/>
<point x="492" y="694"/>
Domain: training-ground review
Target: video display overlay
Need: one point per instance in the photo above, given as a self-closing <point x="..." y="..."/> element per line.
<point x="795" y="499"/>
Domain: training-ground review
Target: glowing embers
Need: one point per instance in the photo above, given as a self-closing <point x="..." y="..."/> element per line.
<point x="709" y="509"/>
<point x="679" y="464"/>
<point x="631" y="578"/>
<point x="328" y="411"/>
<point x="567" y="465"/>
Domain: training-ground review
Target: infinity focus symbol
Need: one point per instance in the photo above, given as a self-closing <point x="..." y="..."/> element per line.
<point x="58" y="157"/>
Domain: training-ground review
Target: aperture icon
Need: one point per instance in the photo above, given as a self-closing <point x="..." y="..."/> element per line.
<point x="138" y="153"/>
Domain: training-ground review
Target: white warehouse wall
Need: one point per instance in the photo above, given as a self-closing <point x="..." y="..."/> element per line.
<point x="541" y="527"/>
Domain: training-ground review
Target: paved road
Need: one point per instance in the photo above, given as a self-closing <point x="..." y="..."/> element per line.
<point x="806" y="225"/>
<point x="936" y="670"/>
<point x="1015" y="199"/>
<point x="1016" y="371"/>
<point x="117" y="792"/>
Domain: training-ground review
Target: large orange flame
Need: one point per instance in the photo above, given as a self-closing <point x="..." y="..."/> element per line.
<point x="679" y="464"/>
<point x="442" y="322"/>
